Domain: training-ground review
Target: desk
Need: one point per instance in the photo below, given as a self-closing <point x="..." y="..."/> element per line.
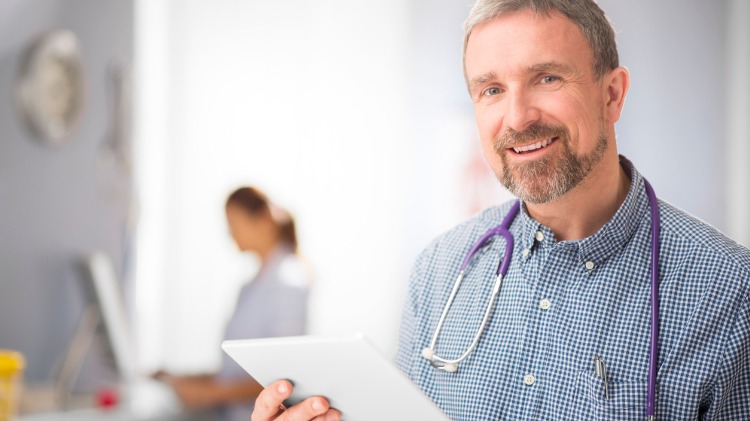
<point x="113" y="415"/>
<point x="144" y="400"/>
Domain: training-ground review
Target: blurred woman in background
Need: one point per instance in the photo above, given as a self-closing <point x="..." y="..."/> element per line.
<point x="274" y="303"/>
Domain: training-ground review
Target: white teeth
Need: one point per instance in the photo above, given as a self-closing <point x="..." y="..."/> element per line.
<point x="537" y="145"/>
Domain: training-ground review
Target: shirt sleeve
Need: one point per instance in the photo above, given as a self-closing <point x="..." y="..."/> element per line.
<point x="731" y="400"/>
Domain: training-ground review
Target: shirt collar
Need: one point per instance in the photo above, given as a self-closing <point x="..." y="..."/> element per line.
<point x="610" y="238"/>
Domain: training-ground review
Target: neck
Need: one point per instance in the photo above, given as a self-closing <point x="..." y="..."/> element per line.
<point x="585" y="209"/>
<point x="265" y="251"/>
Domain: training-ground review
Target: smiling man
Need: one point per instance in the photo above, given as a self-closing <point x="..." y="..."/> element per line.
<point x="546" y="112"/>
<point x="569" y="333"/>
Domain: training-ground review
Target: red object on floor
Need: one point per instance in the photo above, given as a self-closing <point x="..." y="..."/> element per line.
<point x="107" y="398"/>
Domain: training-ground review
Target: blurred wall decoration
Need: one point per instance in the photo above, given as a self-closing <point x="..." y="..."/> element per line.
<point x="51" y="86"/>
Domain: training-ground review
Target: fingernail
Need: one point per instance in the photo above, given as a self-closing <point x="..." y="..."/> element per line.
<point x="317" y="405"/>
<point x="333" y="416"/>
<point x="282" y="388"/>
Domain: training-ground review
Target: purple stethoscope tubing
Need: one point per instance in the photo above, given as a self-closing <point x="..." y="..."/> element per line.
<point x="654" y="351"/>
<point x="501" y="229"/>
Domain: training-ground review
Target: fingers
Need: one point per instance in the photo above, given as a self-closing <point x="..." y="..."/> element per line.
<point x="269" y="401"/>
<point x="330" y="415"/>
<point x="268" y="406"/>
<point x="315" y="408"/>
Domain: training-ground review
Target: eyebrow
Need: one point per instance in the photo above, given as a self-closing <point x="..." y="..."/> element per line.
<point x="482" y="79"/>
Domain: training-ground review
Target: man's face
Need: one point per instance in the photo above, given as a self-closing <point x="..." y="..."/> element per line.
<point x="540" y="110"/>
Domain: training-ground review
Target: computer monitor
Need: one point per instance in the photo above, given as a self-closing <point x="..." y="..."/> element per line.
<point x="105" y="318"/>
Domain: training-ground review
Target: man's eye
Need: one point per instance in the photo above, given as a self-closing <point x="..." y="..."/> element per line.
<point x="550" y="79"/>
<point x="492" y="91"/>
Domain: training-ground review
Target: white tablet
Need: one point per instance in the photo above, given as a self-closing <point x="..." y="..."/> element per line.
<point x="349" y="371"/>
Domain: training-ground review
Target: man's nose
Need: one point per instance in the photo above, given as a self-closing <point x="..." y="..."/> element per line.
<point x="520" y="111"/>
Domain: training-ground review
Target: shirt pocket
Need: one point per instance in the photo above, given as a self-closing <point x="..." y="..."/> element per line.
<point x="627" y="399"/>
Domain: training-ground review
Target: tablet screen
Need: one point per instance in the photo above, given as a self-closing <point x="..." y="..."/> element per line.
<point x="349" y="371"/>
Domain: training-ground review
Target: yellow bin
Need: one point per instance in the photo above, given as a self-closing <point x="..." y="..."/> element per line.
<point x="11" y="373"/>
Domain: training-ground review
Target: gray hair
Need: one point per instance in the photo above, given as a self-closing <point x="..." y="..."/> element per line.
<point x="586" y="14"/>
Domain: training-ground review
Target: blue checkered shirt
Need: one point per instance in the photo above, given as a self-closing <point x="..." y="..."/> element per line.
<point x="563" y="303"/>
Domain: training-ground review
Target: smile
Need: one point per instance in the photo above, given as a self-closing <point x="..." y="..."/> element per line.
<point x="535" y="146"/>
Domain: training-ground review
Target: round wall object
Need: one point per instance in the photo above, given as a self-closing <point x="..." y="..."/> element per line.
<point x="51" y="87"/>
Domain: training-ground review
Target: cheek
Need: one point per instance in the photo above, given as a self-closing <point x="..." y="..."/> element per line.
<point x="488" y="123"/>
<point x="239" y="233"/>
<point x="586" y="112"/>
<point x="488" y="149"/>
<point x="238" y="239"/>
<point x="489" y="126"/>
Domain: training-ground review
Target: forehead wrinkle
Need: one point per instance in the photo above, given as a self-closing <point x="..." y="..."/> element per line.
<point x="551" y="66"/>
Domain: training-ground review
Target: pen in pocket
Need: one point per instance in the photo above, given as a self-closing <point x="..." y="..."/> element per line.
<point x="601" y="371"/>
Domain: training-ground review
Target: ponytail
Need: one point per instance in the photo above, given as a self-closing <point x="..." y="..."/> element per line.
<point x="287" y="231"/>
<point x="255" y="203"/>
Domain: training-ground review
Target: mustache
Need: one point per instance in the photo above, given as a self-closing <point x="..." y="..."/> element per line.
<point x="511" y="138"/>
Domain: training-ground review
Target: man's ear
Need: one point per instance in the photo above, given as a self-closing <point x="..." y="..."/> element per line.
<point x="616" y="83"/>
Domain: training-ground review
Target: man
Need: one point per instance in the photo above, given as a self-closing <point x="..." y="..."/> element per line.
<point x="569" y="334"/>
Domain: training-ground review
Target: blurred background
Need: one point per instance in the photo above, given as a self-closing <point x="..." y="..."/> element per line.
<point x="353" y="114"/>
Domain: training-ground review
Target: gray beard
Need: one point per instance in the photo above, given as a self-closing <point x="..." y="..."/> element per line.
<point x="542" y="181"/>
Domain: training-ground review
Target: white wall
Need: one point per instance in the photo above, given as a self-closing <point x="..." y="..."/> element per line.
<point x="305" y="100"/>
<point x="672" y="127"/>
<point x="737" y="89"/>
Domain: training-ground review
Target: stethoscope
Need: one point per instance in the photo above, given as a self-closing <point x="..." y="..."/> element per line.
<point x="451" y="365"/>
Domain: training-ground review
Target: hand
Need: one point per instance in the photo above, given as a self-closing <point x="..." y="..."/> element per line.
<point x="159" y="375"/>
<point x="268" y="406"/>
<point x="194" y="392"/>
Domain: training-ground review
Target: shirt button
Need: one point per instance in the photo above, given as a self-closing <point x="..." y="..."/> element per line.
<point x="525" y="252"/>
<point x="589" y="265"/>
<point x="539" y="236"/>
<point x="545" y="304"/>
<point x="529" y="379"/>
